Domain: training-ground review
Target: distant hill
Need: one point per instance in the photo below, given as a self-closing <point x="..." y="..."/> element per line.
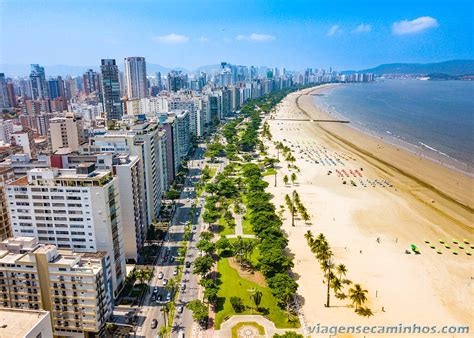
<point x="452" y="67"/>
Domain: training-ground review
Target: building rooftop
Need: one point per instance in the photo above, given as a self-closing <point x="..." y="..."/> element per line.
<point x="18" y="323"/>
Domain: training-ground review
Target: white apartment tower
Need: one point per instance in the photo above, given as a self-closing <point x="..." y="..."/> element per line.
<point x="77" y="209"/>
<point x="135" y="77"/>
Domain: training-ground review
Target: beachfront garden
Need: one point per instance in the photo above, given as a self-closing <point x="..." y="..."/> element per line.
<point x="252" y="273"/>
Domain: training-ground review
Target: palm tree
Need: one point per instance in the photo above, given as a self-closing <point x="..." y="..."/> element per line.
<point x="357" y="295"/>
<point x="341" y="270"/>
<point x="309" y="236"/>
<point x="166" y="310"/>
<point x="293" y="178"/>
<point x="285" y="179"/>
<point x="305" y="216"/>
<point x="336" y="285"/>
<point x="364" y="312"/>
<point x="327" y="267"/>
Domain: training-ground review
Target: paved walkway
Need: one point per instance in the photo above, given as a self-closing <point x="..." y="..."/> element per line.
<point x="239" y="229"/>
<point x="270" y="329"/>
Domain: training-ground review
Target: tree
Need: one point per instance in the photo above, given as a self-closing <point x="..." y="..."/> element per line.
<point x="336" y="285"/>
<point x="237" y="304"/>
<point x="210" y="293"/>
<point x="357" y="295"/>
<point x="281" y="286"/>
<point x="166" y="311"/>
<point x="305" y="216"/>
<point x="285" y="179"/>
<point x="211" y="216"/>
<point x="199" y="310"/>
<point x="293" y="178"/>
<point x="341" y="270"/>
<point x="364" y="312"/>
<point x="172" y="195"/>
<point x="206" y="246"/>
<point x="224" y="244"/>
<point x="202" y="265"/>
<point x="257" y="298"/>
<point x="211" y="188"/>
<point x="327" y="267"/>
<point x="207" y="235"/>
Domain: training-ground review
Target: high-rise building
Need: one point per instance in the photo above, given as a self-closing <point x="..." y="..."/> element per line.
<point x="25" y="323"/>
<point x="66" y="132"/>
<point x="53" y="87"/>
<point x="128" y="170"/>
<point x="6" y="174"/>
<point x="111" y="100"/>
<point x="176" y="81"/>
<point x="11" y="95"/>
<point x="39" y="86"/>
<point x="74" y="209"/>
<point x="135" y="77"/>
<point x="25" y="139"/>
<point x="76" y="288"/>
<point x="91" y="82"/>
<point x="147" y="141"/>
<point x="4" y="99"/>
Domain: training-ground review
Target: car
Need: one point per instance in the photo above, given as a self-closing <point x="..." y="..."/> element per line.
<point x="165" y="281"/>
<point x="172" y="259"/>
<point x="183" y="287"/>
<point x="155" y="289"/>
<point x="153" y="298"/>
<point x="154" y="324"/>
<point x="175" y="272"/>
<point x="159" y="298"/>
<point x="160" y="275"/>
<point x="168" y="296"/>
<point x="165" y="259"/>
<point x="180" y="309"/>
<point x="188" y="265"/>
<point x="194" y="227"/>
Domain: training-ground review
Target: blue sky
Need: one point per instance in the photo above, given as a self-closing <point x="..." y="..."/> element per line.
<point x="294" y="34"/>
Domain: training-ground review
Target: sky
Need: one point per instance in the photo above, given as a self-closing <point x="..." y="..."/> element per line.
<point x="293" y="34"/>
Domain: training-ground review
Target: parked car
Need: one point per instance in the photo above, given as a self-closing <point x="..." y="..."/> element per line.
<point x="188" y="265"/>
<point x="180" y="309"/>
<point x="165" y="281"/>
<point x="183" y="287"/>
<point x="168" y="296"/>
<point x="175" y="272"/>
<point x="155" y="289"/>
<point x="159" y="298"/>
<point x="154" y="324"/>
<point x="160" y="275"/>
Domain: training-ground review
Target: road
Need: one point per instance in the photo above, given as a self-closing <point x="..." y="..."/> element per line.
<point x="151" y="309"/>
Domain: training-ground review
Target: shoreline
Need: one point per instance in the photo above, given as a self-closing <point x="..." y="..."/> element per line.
<point x="396" y="200"/>
<point x="423" y="150"/>
<point x="446" y="182"/>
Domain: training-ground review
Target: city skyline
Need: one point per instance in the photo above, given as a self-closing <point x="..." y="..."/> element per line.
<point x="302" y="35"/>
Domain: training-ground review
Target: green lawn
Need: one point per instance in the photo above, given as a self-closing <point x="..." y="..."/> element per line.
<point x="224" y="228"/>
<point x="235" y="286"/>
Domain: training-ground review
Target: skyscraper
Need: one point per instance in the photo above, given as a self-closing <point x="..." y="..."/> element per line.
<point x="4" y="101"/>
<point x="39" y="86"/>
<point x="135" y="77"/>
<point x="111" y="101"/>
<point x="91" y="82"/>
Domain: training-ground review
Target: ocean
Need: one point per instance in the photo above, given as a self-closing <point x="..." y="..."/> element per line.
<point x="434" y="119"/>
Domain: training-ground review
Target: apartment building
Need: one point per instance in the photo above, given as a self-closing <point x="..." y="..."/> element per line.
<point x="77" y="209"/>
<point x="128" y="170"/>
<point x="6" y="175"/>
<point x="25" y="323"/>
<point x="76" y="288"/>
<point x="148" y="142"/>
<point x="66" y="132"/>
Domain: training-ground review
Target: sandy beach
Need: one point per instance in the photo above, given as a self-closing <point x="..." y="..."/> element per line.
<point x="391" y="199"/>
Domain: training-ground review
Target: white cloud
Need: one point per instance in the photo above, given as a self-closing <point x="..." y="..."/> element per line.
<point x="414" y="26"/>
<point x="256" y="37"/>
<point x="362" y="28"/>
<point x="171" y="38"/>
<point x="335" y="29"/>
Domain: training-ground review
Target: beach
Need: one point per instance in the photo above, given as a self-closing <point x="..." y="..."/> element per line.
<point x="390" y="200"/>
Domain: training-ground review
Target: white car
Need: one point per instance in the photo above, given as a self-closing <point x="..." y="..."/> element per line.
<point x="160" y="275"/>
<point x="175" y="272"/>
<point x="165" y="281"/>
